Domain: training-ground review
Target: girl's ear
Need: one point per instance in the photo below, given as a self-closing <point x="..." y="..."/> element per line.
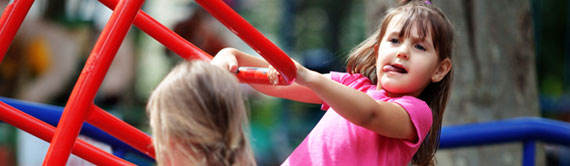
<point x="442" y="70"/>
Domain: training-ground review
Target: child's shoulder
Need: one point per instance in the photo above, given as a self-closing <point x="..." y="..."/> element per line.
<point x="409" y="100"/>
<point x="414" y="106"/>
<point x="347" y="78"/>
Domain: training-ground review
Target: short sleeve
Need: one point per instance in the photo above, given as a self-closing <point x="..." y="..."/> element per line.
<point x="420" y="114"/>
<point x="338" y="77"/>
<point x="354" y="81"/>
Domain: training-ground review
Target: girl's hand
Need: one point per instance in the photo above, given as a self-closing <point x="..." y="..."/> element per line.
<point x="304" y="75"/>
<point x="273" y="75"/>
<point x="226" y="59"/>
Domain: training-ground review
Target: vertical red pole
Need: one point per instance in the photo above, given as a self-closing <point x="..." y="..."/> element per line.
<point x="83" y="94"/>
<point x="273" y="54"/>
<point x="10" y="22"/>
<point x="45" y="132"/>
<point x="164" y="35"/>
<point x="121" y="130"/>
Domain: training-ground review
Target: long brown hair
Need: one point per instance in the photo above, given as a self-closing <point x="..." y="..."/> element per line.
<point x="430" y="19"/>
<point x="198" y="117"/>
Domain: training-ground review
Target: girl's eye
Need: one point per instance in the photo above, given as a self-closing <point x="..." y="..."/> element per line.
<point x="420" y="47"/>
<point x="394" y="41"/>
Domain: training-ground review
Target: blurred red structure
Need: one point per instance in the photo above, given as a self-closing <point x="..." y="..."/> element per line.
<point x="80" y="106"/>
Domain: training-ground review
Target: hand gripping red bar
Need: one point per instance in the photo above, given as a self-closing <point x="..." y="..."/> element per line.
<point x="273" y="54"/>
<point x="257" y="76"/>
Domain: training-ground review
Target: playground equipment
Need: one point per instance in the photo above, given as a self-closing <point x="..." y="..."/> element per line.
<point x="80" y="107"/>
<point x="527" y="130"/>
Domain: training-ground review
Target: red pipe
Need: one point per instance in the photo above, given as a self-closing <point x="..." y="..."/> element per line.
<point x="45" y="132"/>
<point x="256" y="75"/>
<point x="164" y="35"/>
<point x="273" y="54"/>
<point x="184" y="48"/>
<point x="81" y="99"/>
<point x="11" y="21"/>
<point x="121" y="130"/>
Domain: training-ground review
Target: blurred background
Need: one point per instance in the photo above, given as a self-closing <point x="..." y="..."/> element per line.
<point x="512" y="59"/>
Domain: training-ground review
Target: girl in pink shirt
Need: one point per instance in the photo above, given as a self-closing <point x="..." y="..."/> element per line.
<point x="388" y="108"/>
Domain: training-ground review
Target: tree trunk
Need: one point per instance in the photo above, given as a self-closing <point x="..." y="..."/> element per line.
<point x="495" y="74"/>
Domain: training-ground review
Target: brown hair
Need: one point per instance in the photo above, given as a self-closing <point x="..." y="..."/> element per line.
<point x="198" y="117"/>
<point x="430" y="19"/>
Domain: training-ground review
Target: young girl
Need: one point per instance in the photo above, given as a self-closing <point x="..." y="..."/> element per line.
<point x="198" y="117"/>
<point x="388" y="108"/>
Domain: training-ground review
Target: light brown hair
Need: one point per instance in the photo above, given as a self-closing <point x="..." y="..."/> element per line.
<point x="198" y="117"/>
<point x="430" y="20"/>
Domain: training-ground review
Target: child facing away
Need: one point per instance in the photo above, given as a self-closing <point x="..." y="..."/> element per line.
<point x="388" y="108"/>
<point x="198" y="117"/>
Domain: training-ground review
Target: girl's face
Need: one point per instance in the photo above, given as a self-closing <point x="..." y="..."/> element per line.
<point x="406" y="65"/>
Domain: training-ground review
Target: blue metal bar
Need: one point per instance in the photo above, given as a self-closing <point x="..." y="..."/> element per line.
<point x="51" y="114"/>
<point x="503" y="131"/>
<point x="526" y="129"/>
<point x="529" y="152"/>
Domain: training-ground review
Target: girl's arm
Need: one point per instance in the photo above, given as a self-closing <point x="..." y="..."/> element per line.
<point x="230" y="58"/>
<point x="385" y="118"/>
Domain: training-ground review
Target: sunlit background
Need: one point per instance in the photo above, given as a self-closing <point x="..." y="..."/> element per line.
<point x="57" y="36"/>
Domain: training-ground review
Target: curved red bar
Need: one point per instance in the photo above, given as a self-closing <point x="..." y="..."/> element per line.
<point x="273" y="54"/>
<point x="11" y="21"/>
<point x="164" y="35"/>
<point x="121" y="130"/>
<point x="92" y="75"/>
<point x="182" y="47"/>
<point x="45" y="132"/>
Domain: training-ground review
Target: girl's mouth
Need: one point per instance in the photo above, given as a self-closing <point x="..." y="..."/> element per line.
<point x="395" y="68"/>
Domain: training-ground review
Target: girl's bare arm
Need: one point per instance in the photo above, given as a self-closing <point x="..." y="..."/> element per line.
<point x="230" y="58"/>
<point x="385" y="118"/>
<point x="388" y="119"/>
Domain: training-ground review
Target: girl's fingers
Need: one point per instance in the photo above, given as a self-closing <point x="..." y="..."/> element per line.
<point x="232" y="64"/>
<point x="233" y="67"/>
<point x="273" y="75"/>
<point x="228" y="63"/>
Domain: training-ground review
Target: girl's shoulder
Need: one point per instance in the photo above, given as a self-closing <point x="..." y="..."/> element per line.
<point x="409" y="100"/>
<point x="417" y="109"/>
<point x="348" y="79"/>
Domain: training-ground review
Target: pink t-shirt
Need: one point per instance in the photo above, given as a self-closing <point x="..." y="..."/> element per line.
<point x="336" y="141"/>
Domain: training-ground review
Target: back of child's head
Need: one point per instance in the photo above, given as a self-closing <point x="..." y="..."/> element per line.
<point x="198" y="117"/>
<point x="429" y="20"/>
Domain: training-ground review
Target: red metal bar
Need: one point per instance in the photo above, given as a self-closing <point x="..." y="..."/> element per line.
<point x="121" y="130"/>
<point x="273" y="54"/>
<point x="81" y="99"/>
<point x="256" y="75"/>
<point x="182" y="47"/>
<point x="10" y="22"/>
<point x="45" y="132"/>
<point x="164" y="35"/>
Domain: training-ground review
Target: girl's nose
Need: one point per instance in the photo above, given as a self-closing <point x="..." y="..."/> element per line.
<point x="403" y="51"/>
<point x="403" y="55"/>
